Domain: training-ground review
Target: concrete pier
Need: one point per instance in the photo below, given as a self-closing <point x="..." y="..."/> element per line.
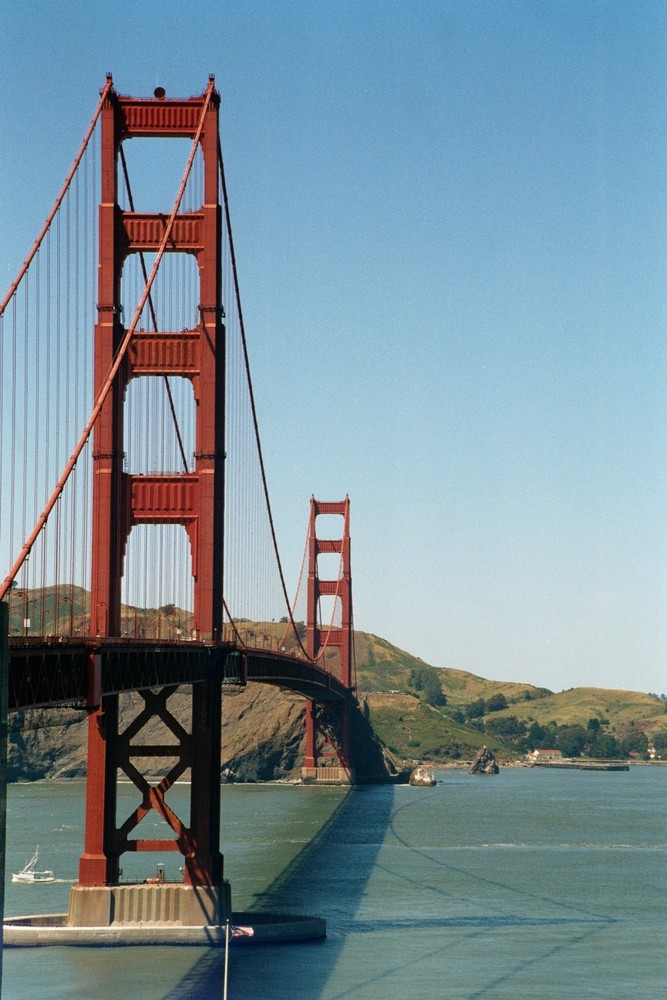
<point x="53" y="930"/>
<point x="154" y="913"/>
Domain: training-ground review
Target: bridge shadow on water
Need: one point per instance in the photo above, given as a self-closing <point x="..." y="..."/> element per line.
<point x="463" y="907"/>
<point x="307" y="886"/>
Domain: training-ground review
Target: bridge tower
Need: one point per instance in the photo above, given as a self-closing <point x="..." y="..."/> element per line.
<point x="193" y="499"/>
<point x="328" y="728"/>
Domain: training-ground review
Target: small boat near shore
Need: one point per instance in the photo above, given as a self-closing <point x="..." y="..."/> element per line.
<point x="31" y="874"/>
<point x="422" y="777"/>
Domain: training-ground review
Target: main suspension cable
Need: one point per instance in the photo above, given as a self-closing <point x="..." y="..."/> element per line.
<point x="108" y="87"/>
<point x="237" y="293"/>
<point x="106" y="387"/>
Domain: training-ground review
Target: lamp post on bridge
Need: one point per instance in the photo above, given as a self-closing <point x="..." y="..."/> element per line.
<point x="68" y="600"/>
<point x="26" y="619"/>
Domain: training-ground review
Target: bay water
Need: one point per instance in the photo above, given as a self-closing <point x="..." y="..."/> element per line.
<point x="534" y="883"/>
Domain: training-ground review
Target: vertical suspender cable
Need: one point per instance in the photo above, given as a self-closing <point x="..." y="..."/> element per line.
<point x="154" y="317"/>
<point x="108" y="87"/>
<point x="106" y="387"/>
<point x="252" y="398"/>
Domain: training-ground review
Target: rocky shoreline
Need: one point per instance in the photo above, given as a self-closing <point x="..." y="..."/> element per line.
<point x="263" y="741"/>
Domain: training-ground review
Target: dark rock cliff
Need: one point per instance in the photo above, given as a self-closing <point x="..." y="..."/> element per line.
<point x="262" y="738"/>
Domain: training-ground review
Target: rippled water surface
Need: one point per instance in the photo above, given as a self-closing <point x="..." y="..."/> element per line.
<point x="530" y="884"/>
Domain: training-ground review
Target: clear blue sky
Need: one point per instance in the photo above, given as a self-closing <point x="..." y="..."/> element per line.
<point x="450" y="224"/>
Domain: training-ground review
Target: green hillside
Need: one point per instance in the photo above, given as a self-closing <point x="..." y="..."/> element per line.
<point x="578" y="705"/>
<point x="413" y="730"/>
<point x="500" y="714"/>
<point x="383" y="667"/>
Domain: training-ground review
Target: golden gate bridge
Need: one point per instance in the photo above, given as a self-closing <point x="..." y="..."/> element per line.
<point x="132" y="478"/>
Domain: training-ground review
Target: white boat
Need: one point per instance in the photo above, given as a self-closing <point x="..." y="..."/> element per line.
<point x="30" y="872"/>
<point x="422" y="776"/>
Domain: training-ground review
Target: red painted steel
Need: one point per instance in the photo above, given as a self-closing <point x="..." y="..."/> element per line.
<point x="116" y="494"/>
<point x="159" y="118"/>
<point x="109" y="383"/>
<point x="144" y="231"/>
<point x="319" y="638"/>
<point x="171" y="353"/>
<point x="195" y="500"/>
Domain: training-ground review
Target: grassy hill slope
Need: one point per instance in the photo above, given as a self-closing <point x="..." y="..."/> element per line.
<point x="383" y="667"/>
<point x="578" y="705"/>
<point x="413" y="729"/>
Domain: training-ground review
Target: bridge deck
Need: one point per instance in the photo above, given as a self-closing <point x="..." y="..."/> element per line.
<point x="50" y="672"/>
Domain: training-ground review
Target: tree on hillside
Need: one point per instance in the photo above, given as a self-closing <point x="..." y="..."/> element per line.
<point x="632" y="738"/>
<point x="571" y="740"/>
<point x="604" y="746"/>
<point x="506" y="726"/>
<point x="426" y="679"/>
<point x="415" y="680"/>
<point x="496" y="703"/>
<point x="593" y="728"/>
<point x="475" y="710"/>
<point x="433" y="693"/>
<point x="550" y="734"/>
<point x="535" y="736"/>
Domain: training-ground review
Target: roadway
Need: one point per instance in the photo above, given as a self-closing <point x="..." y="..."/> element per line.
<point x="59" y="671"/>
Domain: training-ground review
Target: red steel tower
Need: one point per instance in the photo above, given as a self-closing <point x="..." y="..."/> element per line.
<point x="194" y="499"/>
<point x="321" y="638"/>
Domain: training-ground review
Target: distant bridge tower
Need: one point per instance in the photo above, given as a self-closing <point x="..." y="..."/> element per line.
<point x="194" y="499"/>
<point x="328" y="728"/>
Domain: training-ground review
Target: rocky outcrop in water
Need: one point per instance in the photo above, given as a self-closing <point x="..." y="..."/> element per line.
<point x="484" y="763"/>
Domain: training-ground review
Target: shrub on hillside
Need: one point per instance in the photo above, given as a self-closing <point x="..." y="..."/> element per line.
<point x="475" y="710"/>
<point x="509" y="725"/>
<point x="496" y="703"/>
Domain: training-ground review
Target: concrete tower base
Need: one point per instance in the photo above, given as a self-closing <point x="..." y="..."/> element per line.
<point x="175" y="905"/>
<point x="334" y="775"/>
